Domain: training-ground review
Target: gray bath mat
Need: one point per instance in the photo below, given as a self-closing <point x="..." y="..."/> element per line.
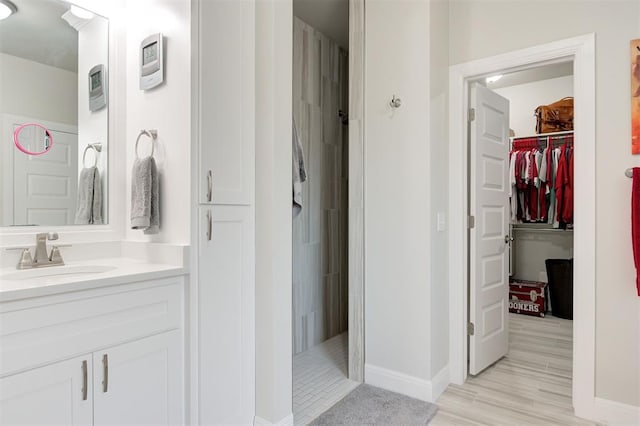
<point x="367" y="405"/>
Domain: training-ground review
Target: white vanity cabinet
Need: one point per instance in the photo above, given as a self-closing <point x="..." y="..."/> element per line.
<point x="107" y="356"/>
<point x="143" y="382"/>
<point x="49" y="395"/>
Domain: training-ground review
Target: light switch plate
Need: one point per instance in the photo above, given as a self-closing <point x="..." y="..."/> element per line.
<point x="440" y="227"/>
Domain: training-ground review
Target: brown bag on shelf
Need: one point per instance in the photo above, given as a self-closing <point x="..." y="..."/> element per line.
<point x="555" y="117"/>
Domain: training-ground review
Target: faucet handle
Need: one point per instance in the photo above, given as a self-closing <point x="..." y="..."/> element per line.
<point x="56" y="257"/>
<point x="51" y="236"/>
<point x="26" y="261"/>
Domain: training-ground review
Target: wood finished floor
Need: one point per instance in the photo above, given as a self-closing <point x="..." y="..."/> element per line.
<point x="529" y="386"/>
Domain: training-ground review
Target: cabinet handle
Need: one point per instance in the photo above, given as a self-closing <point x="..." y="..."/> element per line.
<point x="105" y="373"/>
<point x="209" y="186"/>
<point x="84" y="380"/>
<point x="209" y="225"/>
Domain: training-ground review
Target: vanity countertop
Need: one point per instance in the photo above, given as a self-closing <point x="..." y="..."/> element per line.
<point x="80" y="275"/>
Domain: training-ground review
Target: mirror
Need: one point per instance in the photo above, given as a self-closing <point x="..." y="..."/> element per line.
<point x="54" y="65"/>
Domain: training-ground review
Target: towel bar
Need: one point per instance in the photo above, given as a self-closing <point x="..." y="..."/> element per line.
<point x="153" y="134"/>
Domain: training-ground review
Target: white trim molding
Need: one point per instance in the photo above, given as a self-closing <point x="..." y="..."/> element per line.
<point x="394" y="381"/>
<point x="287" y="421"/>
<point x="580" y="50"/>
<point x="616" y="413"/>
<point x="439" y="383"/>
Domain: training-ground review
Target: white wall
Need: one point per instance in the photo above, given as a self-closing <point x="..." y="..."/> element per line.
<point x="525" y="98"/>
<point x="474" y="34"/>
<point x="397" y="195"/>
<point x="166" y="108"/>
<point x="532" y="248"/>
<point x="93" y="127"/>
<point x="439" y="132"/>
<point x="32" y="89"/>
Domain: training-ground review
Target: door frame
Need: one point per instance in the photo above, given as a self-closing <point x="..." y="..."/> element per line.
<point x="581" y="50"/>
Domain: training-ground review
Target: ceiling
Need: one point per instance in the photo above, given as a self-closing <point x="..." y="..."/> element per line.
<point x="38" y="33"/>
<point x="330" y="17"/>
<point x="545" y="72"/>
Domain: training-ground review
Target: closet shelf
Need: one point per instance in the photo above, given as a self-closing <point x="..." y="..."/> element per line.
<point x="538" y="228"/>
<point x="543" y="135"/>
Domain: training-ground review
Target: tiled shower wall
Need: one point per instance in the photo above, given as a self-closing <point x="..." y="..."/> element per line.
<point x="320" y="268"/>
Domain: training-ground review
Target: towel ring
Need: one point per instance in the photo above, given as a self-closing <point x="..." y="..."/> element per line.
<point x="153" y="134"/>
<point x="97" y="147"/>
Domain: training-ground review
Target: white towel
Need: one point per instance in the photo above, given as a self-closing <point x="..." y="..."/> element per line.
<point x="89" y="205"/>
<point x="299" y="173"/>
<point x="145" y="202"/>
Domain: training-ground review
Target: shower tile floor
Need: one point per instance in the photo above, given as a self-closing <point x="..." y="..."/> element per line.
<point x="320" y="378"/>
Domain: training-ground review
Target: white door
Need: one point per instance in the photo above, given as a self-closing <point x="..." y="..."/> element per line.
<point x="140" y="383"/>
<point x="226" y="315"/>
<point x="56" y="394"/>
<point x="46" y="185"/>
<point x="489" y="238"/>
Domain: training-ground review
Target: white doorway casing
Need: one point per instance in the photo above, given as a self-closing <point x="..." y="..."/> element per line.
<point x="582" y="51"/>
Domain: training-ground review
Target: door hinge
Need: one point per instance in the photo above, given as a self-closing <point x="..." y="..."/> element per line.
<point x="472" y="114"/>
<point x="471" y="329"/>
<point x="472" y="222"/>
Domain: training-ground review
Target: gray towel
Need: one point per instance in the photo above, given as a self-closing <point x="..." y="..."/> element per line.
<point x="299" y="173"/>
<point x="145" y="202"/>
<point x="89" y="206"/>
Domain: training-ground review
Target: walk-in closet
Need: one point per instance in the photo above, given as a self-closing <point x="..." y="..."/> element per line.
<point x="540" y="237"/>
<point x="541" y="202"/>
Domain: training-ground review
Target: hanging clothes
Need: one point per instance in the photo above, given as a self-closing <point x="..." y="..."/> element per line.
<point x="541" y="181"/>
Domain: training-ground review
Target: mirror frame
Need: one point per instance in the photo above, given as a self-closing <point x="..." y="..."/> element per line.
<point x="11" y="236"/>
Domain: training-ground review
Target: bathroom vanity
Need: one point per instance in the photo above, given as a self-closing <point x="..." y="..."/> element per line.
<point x="92" y="343"/>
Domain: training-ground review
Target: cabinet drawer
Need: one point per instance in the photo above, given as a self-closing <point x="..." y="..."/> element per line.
<point x="46" y="329"/>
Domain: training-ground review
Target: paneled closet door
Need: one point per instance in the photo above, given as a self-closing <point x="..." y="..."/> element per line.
<point x="226" y="309"/>
<point x="226" y="101"/>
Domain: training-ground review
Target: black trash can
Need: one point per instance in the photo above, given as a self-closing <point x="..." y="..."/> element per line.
<point x="560" y="275"/>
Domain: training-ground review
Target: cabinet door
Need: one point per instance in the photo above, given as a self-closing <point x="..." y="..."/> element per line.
<point x="56" y="394"/>
<point x="226" y="82"/>
<point x="226" y="311"/>
<point x="140" y="383"/>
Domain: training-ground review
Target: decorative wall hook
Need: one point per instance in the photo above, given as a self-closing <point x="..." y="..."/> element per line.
<point x="395" y="102"/>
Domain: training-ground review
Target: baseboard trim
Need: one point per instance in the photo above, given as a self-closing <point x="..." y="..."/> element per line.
<point x="414" y="387"/>
<point x="615" y="413"/>
<point x="440" y="382"/>
<point x="287" y="421"/>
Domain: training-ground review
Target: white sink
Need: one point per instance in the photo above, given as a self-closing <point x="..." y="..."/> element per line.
<point x="55" y="271"/>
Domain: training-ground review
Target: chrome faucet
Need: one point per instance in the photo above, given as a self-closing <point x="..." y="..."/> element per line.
<point x="41" y="257"/>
